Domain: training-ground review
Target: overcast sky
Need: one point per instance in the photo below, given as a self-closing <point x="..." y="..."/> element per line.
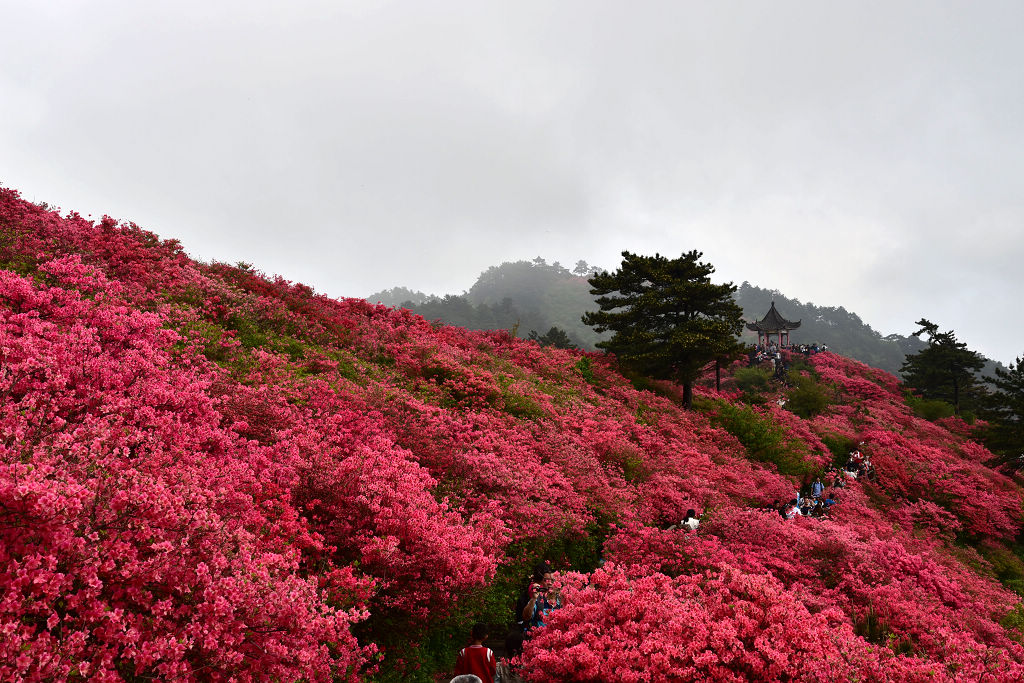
<point x="869" y="155"/>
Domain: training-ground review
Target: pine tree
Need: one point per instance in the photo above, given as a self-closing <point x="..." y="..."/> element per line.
<point x="668" y="319"/>
<point x="555" y="337"/>
<point x="944" y="369"/>
<point x="1004" y="411"/>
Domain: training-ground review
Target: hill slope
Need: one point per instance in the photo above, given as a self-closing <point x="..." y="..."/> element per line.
<point x="209" y="473"/>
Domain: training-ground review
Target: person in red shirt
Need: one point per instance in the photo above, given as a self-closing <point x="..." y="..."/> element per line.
<point x="476" y="659"/>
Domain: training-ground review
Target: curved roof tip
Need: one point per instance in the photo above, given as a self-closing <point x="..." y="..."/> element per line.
<point x="773" y="322"/>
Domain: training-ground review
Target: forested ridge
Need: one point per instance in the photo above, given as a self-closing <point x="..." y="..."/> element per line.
<point x="207" y="473"/>
<point x="538" y="296"/>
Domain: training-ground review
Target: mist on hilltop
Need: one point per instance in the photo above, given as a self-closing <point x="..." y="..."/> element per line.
<point x="533" y="295"/>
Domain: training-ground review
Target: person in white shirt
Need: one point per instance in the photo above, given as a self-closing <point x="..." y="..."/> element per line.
<point x="690" y="521"/>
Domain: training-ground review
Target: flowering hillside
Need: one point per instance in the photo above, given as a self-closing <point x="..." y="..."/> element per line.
<point x="207" y="474"/>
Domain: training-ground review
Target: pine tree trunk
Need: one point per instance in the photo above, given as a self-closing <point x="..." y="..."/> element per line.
<point x="718" y="374"/>
<point x="687" y="394"/>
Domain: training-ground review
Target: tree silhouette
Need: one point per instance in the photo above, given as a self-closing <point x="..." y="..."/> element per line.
<point x="944" y="369"/>
<point x="1004" y="411"/>
<point x="668" y="318"/>
<point x="556" y="337"/>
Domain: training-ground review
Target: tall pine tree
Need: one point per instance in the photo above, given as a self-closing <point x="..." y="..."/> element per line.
<point x="943" y="370"/>
<point x="669" y="320"/>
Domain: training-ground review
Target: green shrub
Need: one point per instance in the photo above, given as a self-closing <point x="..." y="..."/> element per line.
<point x="807" y="398"/>
<point x="632" y="465"/>
<point x="800" y="364"/>
<point x="764" y="440"/>
<point x="586" y="370"/>
<point x="1008" y="565"/>
<point x="346" y="366"/>
<point x="522" y="407"/>
<point x="1013" y="621"/>
<point x="248" y="331"/>
<point x="930" y="409"/>
<point x="840" y="446"/>
<point x="752" y="380"/>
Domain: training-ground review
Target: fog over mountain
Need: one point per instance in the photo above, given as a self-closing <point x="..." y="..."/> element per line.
<point x="868" y="154"/>
<point x="534" y="296"/>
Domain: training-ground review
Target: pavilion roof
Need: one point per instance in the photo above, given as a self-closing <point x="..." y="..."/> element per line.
<point x="773" y="322"/>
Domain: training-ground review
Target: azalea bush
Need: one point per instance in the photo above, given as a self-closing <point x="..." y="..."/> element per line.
<point x="207" y="473"/>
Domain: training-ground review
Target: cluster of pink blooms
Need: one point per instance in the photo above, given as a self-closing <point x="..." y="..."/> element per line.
<point x="208" y="474"/>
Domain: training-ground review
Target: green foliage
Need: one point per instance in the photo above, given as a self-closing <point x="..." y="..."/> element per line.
<point x="346" y="366"/>
<point x="807" y="398"/>
<point x="1007" y="564"/>
<point x="248" y="331"/>
<point x="752" y="380"/>
<point x="11" y="256"/>
<point x="584" y="366"/>
<point x="1013" y="622"/>
<point x="945" y="369"/>
<point x="1004" y="410"/>
<point x="631" y="464"/>
<point x="930" y="409"/>
<point x="840" y="446"/>
<point x="555" y="337"/>
<point x="667" y="318"/>
<point x="799" y="364"/>
<point x="764" y="440"/>
<point x="520" y="406"/>
<point x="209" y="336"/>
<point x="646" y="416"/>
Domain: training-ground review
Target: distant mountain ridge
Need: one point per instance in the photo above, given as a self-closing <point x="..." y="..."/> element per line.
<point x="533" y="295"/>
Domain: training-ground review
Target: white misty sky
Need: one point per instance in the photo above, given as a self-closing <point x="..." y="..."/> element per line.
<point x="867" y="154"/>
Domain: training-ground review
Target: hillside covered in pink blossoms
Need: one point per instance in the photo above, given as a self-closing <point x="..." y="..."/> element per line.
<point x="208" y="474"/>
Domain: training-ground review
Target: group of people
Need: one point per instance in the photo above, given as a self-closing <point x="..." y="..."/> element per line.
<point x="773" y="352"/>
<point x="858" y="466"/>
<point x="818" y="501"/>
<point x="817" y="504"/>
<point x="761" y="353"/>
<point x="809" y="349"/>
<point x="477" y="663"/>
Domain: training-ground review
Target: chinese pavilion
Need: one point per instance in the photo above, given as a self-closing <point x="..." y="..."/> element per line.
<point x="773" y="323"/>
